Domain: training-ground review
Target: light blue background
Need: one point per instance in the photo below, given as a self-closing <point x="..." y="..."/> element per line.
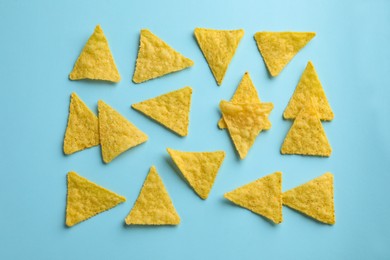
<point x="40" y="41"/>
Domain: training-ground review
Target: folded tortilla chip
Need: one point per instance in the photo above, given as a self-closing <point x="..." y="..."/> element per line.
<point x="314" y="198"/>
<point x="153" y="205"/>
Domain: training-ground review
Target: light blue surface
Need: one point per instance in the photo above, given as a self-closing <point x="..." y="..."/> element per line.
<point x="39" y="43"/>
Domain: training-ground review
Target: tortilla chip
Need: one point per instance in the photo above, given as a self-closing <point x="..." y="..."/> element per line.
<point x="95" y="60"/>
<point x="218" y="47"/>
<point x="308" y="87"/>
<point x="199" y="168"/>
<point x="245" y="122"/>
<point x="263" y="197"/>
<point x="314" y="198"/>
<point x="153" y="206"/>
<point x="117" y="134"/>
<point x="278" y="48"/>
<point x="172" y="110"/>
<point x="156" y="58"/>
<point x="245" y="93"/>
<point x="86" y="199"/>
<point x="307" y="136"/>
<point x="83" y="127"/>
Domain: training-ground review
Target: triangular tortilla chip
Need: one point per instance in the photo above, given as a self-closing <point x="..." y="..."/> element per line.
<point x="263" y="197"/>
<point x="309" y="86"/>
<point x="117" y="134"/>
<point x="153" y="205"/>
<point x="314" y="198"/>
<point x="86" y="199"/>
<point x="307" y="136"/>
<point x="172" y="110"/>
<point x="199" y="168"/>
<point x="245" y="93"/>
<point x="278" y="48"/>
<point x="245" y="122"/>
<point x="156" y="58"/>
<point x="83" y="127"/>
<point x="218" y="47"/>
<point x="95" y="60"/>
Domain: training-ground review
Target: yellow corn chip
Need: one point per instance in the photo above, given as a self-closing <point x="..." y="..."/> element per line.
<point x="314" y="198"/>
<point x="218" y="47"/>
<point x="117" y="134"/>
<point x="308" y="87"/>
<point x="153" y="206"/>
<point x="86" y="199"/>
<point x="172" y="110"/>
<point x="95" y="60"/>
<point x="245" y="93"/>
<point x="278" y="48"/>
<point x="307" y="136"/>
<point x="156" y="58"/>
<point x="263" y="197"/>
<point x="199" y="168"/>
<point x="83" y="127"/>
<point x="245" y="122"/>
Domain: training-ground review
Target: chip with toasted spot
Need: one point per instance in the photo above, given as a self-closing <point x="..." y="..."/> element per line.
<point x="117" y="134"/>
<point x="172" y="110"/>
<point x="263" y="197"/>
<point x="245" y="122"/>
<point x="218" y="47"/>
<point x="314" y="198"/>
<point x="309" y="87"/>
<point x="307" y="135"/>
<point x="86" y="199"/>
<point x="156" y="58"/>
<point x="96" y="61"/>
<point x="245" y="93"/>
<point x="199" y="168"/>
<point x="83" y="127"/>
<point x="153" y="205"/>
<point x="278" y="48"/>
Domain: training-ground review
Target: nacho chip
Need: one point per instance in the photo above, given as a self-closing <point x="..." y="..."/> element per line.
<point x="96" y="61"/>
<point x="309" y="86"/>
<point x="198" y="168"/>
<point x="307" y="136"/>
<point x="117" y="134"/>
<point x="245" y="93"/>
<point x="172" y="110"/>
<point x="218" y="47"/>
<point x="153" y="205"/>
<point x="86" y="199"/>
<point x="156" y="58"/>
<point x="263" y="197"/>
<point x="83" y="127"/>
<point x="278" y="48"/>
<point x="314" y="198"/>
<point x="245" y="122"/>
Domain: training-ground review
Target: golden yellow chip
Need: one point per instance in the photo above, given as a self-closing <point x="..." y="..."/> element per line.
<point x="246" y="93"/>
<point x="245" y="122"/>
<point x="218" y="47"/>
<point x="307" y="136"/>
<point x="95" y="60"/>
<point x="309" y="87"/>
<point x="86" y="199"/>
<point x="199" y="168"/>
<point x="83" y="127"/>
<point x="278" y="48"/>
<point x="153" y="205"/>
<point x="172" y="110"/>
<point x="117" y="134"/>
<point x="263" y="197"/>
<point x="156" y="58"/>
<point x="314" y="198"/>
